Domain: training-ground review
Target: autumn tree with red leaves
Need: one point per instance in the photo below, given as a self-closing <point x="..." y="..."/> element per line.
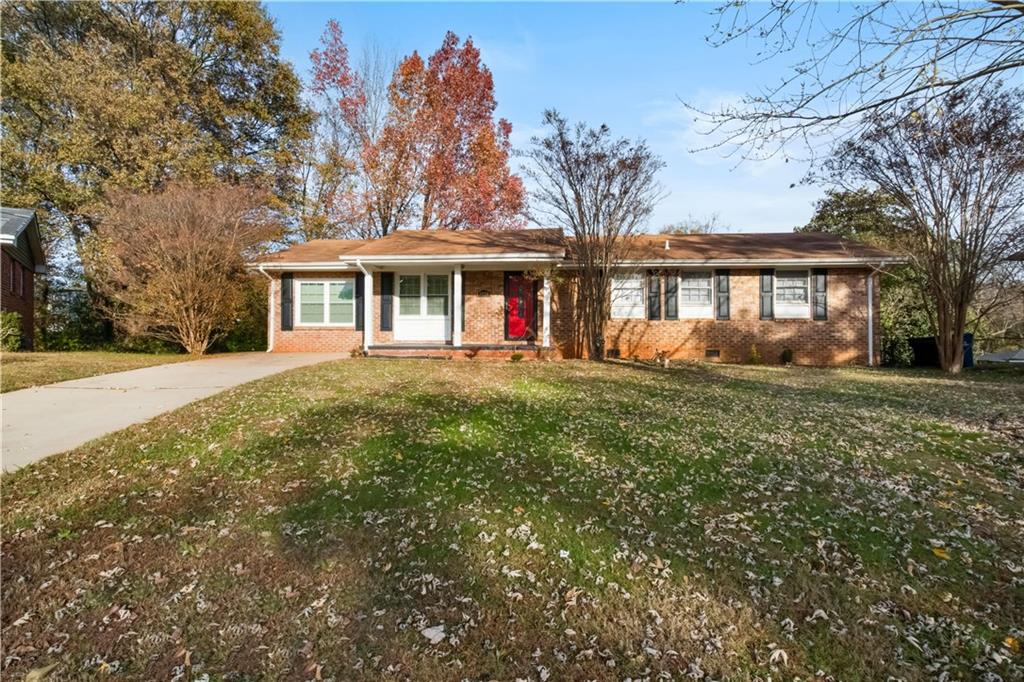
<point x="436" y="159"/>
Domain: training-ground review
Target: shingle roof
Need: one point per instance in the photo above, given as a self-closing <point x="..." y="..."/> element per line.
<point x="749" y="245"/>
<point x="317" y="251"/>
<point x="15" y="220"/>
<point x="550" y="242"/>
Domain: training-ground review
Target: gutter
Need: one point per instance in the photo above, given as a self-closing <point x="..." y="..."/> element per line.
<point x="270" y="309"/>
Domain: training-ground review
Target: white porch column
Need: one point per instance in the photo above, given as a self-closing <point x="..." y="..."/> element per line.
<point x="457" y="307"/>
<point x="871" y="319"/>
<point x="546" y="306"/>
<point x="367" y="310"/>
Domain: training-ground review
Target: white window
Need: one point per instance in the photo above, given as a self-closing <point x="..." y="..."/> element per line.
<point x="792" y="294"/>
<point x="628" y="297"/>
<point x="423" y="295"/>
<point x="327" y="303"/>
<point x="437" y="295"/>
<point x="409" y="294"/>
<point x="695" y="294"/>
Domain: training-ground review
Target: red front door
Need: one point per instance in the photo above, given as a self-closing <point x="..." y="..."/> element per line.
<point x="519" y="308"/>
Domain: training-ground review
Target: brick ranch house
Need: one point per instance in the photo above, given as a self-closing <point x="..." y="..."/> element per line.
<point x="480" y="294"/>
<point x="21" y="259"/>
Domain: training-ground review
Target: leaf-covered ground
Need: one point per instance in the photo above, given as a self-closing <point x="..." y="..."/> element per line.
<point x="430" y="520"/>
<point x="24" y="370"/>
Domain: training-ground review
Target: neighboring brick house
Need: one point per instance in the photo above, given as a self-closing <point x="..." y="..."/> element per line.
<point x="21" y="260"/>
<point x="479" y="294"/>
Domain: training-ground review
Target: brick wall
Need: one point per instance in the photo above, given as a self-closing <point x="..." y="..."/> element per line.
<point x="17" y="294"/>
<point x="312" y="339"/>
<point x="839" y="340"/>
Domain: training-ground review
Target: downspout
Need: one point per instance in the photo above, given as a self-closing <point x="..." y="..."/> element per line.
<point x="871" y="319"/>
<point x="270" y="310"/>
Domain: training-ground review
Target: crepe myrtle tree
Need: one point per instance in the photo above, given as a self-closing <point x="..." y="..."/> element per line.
<point x="170" y="265"/>
<point x="600" y="190"/>
<point x="955" y="168"/>
<point x="846" y="64"/>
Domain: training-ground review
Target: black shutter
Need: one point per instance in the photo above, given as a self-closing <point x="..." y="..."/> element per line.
<point x="653" y="295"/>
<point x="820" y="294"/>
<point x="671" y="297"/>
<point x="767" y="294"/>
<point x="722" y="289"/>
<point x="387" y="297"/>
<point x="359" y="301"/>
<point x="287" y="297"/>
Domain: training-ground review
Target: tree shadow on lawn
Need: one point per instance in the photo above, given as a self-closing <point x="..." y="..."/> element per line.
<point x="422" y="509"/>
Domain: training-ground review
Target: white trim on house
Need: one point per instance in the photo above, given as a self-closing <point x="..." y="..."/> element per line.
<point x="297" y="302"/>
<point x="796" y="263"/>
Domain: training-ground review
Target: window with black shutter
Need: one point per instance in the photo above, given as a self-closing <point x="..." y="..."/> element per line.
<point x="722" y="294"/>
<point x="767" y="294"/>
<point x="820" y="294"/>
<point x="286" y="301"/>
<point x="653" y="296"/>
<point x="387" y="300"/>
<point x="671" y="296"/>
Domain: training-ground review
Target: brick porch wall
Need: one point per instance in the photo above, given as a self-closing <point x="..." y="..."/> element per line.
<point x="21" y="301"/>
<point x="839" y="340"/>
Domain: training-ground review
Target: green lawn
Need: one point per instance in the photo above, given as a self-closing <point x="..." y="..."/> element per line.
<point x="442" y="520"/>
<point x="23" y="370"/>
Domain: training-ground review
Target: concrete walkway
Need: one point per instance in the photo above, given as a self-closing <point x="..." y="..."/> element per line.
<point x="42" y="421"/>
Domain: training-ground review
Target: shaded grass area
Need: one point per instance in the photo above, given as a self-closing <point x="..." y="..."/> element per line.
<point x="24" y="370"/>
<point x="568" y="520"/>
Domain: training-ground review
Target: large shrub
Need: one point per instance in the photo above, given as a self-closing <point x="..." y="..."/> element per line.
<point x="10" y="331"/>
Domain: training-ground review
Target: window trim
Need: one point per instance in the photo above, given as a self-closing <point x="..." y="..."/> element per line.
<point x="642" y="314"/>
<point x="297" y="302"/>
<point x="696" y="311"/>
<point x="787" y="311"/>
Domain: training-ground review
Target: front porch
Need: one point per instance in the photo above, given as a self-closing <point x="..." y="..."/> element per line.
<point x="467" y="351"/>
<point x="464" y="310"/>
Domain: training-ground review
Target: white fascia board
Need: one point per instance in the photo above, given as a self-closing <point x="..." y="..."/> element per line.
<point x="454" y="259"/>
<point x="279" y="265"/>
<point x="7" y="238"/>
<point x="752" y="262"/>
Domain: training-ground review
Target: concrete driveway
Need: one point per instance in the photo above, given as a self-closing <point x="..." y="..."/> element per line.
<point x="42" y="421"/>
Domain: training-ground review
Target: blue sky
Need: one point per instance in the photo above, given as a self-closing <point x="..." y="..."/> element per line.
<point x="626" y="65"/>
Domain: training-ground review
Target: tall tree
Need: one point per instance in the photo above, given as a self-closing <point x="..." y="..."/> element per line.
<point x="601" y="191"/>
<point x="955" y="168"/>
<point x="434" y="157"/>
<point x="171" y="265"/>
<point x="862" y="61"/>
<point x="101" y="96"/>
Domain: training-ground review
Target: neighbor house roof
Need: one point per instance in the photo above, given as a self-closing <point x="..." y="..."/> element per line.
<point x="551" y="246"/>
<point x="19" y="232"/>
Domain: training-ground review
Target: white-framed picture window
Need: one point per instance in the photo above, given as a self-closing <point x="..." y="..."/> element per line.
<point x="792" y="294"/>
<point x="327" y="303"/>
<point x="628" y="296"/>
<point x="696" y="294"/>
<point x="423" y="295"/>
